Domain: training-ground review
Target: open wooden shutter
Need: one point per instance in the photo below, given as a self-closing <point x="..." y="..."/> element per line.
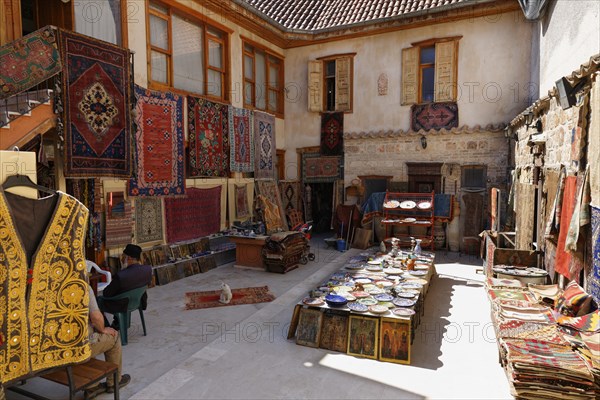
<point x="445" y="71"/>
<point x="315" y="86"/>
<point x="410" y="75"/>
<point x="343" y="84"/>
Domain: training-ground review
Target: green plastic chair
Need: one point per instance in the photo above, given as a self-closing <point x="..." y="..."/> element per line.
<point x="134" y="296"/>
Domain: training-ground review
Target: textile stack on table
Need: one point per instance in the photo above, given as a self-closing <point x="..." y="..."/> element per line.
<point x="283" y="251"/>
<point x="549" y="339"/>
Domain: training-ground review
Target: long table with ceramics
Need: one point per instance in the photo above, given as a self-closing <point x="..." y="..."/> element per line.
<point x="369" y="308"/>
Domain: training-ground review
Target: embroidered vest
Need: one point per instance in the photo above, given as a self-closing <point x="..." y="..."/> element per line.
<point x="49" y="326"/>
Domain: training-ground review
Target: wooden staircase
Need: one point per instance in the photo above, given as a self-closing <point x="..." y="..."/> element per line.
<point x="25" y="115"/>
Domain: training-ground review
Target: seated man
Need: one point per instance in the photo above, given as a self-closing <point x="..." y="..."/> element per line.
<point x="104" y="339"/>
<point x="133" y="275"/>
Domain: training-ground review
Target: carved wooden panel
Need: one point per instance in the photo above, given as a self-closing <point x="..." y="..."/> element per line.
<point x="315" y="86"/>
<point x="445" y="71"/>
<point x="343" y="69"/>
<point x="410" y="75"/>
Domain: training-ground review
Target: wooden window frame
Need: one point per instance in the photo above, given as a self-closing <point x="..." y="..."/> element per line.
<point x="480" y="167"/>
<point x="423" y="66"/>
<point x="279" y="112"/>
<point x="192" y="16"/>
<point x="433" y="43"/>
<point x="336" y="57"/>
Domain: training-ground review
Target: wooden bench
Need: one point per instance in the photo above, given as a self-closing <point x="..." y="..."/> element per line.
<point x="77" y="377"/>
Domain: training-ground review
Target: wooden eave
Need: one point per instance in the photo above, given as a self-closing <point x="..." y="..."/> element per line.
<point x="287" y="39"/>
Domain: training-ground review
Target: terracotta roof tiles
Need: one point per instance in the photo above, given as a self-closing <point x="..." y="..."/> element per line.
<point x="313" y="15"/>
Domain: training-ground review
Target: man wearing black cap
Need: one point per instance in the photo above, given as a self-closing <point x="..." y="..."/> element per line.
<point x="131" y="276"/>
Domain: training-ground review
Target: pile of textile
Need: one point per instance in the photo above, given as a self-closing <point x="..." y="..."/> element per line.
<point x="548" y="339"/>
<point x="284" y="250"/>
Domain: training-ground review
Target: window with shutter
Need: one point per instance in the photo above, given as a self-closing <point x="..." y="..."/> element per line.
<point x="474" y="177"/>
<point x="330" y="83"/>
<point x="263" y="78"/>
<point x="429" y="72"/>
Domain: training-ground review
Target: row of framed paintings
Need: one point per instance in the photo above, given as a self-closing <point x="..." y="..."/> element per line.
<point x="386" y="339"/>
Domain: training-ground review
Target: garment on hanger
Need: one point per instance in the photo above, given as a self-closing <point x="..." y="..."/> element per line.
<point x="44" y="297"/>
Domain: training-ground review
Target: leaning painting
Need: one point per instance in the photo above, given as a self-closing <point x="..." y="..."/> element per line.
<point x="363" y="337"/>
<point x="395" y="340"/>
<point x="309" y="327"/>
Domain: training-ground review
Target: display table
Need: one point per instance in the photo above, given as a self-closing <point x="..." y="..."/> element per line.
<point x="248" y="251"/>
<point x="379" y="310"/>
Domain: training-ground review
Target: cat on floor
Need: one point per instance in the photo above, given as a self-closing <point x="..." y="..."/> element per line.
<point x="225" y="293"/>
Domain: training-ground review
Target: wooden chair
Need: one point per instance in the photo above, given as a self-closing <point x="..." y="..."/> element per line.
<point x="134" y="296"/>
<point x="295" y="218"/>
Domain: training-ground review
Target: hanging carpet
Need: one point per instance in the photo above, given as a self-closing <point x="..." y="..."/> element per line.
<point x="208" y="299"/>
<point x="473" y="214"/>
<point x="208" y="137"/>
<point x="28" y="61"/>
<point x="270" y="191"/>
<point x="332" y="134"/>
<point x="264" y="146"/>
<point x="196" y="214"/>
<point x="594" y="281"/>
<point x="563" y="258"/>
<point x="316" y="168"/>
<point x="148" y="219"/>
<point x="159" y="144"/>
<point x="119" y="230"/>
<point x="433" y="116"/>
<point x="97" y="98"/>
<point x="241" y="201"/>
<point x="291" y="195"/>
<point x="241" y="137"/>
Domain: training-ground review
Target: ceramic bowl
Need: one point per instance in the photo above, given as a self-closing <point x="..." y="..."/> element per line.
<point x="334" y="300"/>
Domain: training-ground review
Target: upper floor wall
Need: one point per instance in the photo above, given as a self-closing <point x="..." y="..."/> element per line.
<point x="569" y="35"/>
<point x="492" y="71"/>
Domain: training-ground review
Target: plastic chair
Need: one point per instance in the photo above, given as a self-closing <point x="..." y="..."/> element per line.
<point x="92" y="265"/>
<point x="124" y="318"/>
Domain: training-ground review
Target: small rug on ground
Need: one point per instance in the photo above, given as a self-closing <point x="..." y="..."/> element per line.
<point x="209" y="299"/>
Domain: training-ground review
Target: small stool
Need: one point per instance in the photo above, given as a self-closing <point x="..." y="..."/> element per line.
<point x="471" y="245"/>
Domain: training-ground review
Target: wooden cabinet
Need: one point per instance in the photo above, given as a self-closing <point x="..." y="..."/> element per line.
<point x="248" y="251"/>
<point x="413" y="211"/>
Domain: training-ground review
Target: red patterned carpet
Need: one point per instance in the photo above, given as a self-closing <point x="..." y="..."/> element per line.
<point x="209" y="299"/>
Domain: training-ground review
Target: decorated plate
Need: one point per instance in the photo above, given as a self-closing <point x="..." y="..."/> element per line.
<point x="377" y="309"/>
<point x="367" y="301"/>
<point x="394" y="271"/>
<point x="418" y="273"/>
<point x="406" y="295"/>
<point x="384" y="284"/>
<point x="342" y="289"/>
<point x="400" y="302"/>
<point x="360" y="294"/>
<point x="403" y="312"/>
<point x="408" y="204"/>
<point x="353" y="267"/>
<point x="357" y="307"/>
<point x="411" y="285"/>
<point x="374" y="262"/>
<point x="424" y="205"/>
<point x="375" y="290"/>
<point x="391" y="204"/>
<point x="348" y="296"/>
<point x="374" y="268"/>
<point x="313" y="301"/>
<point x="537" y="271"/>
<point x="409" y="220"/>
<point x="383" y="297"/>
<point x="387" y="304"/>
<point x="362" y="281"/>
<point x="421" y="267"/>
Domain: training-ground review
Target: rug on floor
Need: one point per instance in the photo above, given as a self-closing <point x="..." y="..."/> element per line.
<point x="209" y="299"/>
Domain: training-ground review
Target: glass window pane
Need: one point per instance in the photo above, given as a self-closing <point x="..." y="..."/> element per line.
<point x="159" y="35"/>
<point x="248" y="67"/>
<point x="248" y="48"/>
<point x="248" y="93"/>
<point x="428" y="55"/>
<point x="214" y="83"/>
<point x="214" y="54"/>
<point x="273" y="76"/>
<point x="261" y="80"/>
<point x="273" y="100"/>
<point x="158" y="7"/>
<point x="188" y="58"/>
<point x="330" y="68"/>
<point x="98" y="19"/>
<point x="427" y="84"/>
<point x="159" y="67"/>
<point x="215" y="32"/>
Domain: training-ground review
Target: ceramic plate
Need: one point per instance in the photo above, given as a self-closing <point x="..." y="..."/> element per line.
<point x="357" y="307"/>
<point x="362" y="281"/>
<point x="374" y="262"/>
<point x="387" y="304"/>
<point x="403" y="312"/>
<point x="411" y="285"/>
<point x="408" y="204"/>
<point x="394" y="271"/>
<point x="406" y="295"/>
<point x="391" y="204"/>
<point x="334" y="300"/>
<point x="424" y="205"/>
<point x="384" y="284"/>
<point x="421" y="267"/>
<point x="360" y="294"/>
<point x="367" y="301"/>
<point x="418" y="273"/>
<point x="383" y="297"/>
<point x="354" y="266"/>
<point x="400" y="302"/>
<point x="375" y="290"/>
<point x="374" y="268"/>
<point x="341" y="289"/>
<point x="313" y="301"/>
<point x="348" y="296"/>
<point x="377" y="309"/>
<point x="409" y="220"/>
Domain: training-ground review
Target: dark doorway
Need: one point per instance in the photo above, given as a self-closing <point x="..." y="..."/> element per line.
<point x="322" y="201"/>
